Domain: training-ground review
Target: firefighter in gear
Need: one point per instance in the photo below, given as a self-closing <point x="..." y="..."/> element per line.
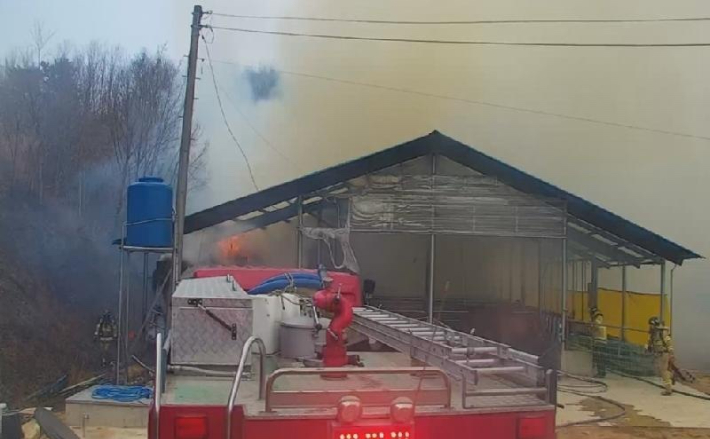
<point x="661" y="346"/>
<point x="598" y="343"/>
<point x="106" y="333"/>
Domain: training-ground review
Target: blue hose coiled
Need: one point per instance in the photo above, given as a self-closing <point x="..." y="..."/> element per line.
<point x="122" y="393"/>
<point x="288" y="276"/>
<point x="299" y="280"/>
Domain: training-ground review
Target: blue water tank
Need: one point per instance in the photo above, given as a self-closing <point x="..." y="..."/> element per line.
<point x="149" y="213"/>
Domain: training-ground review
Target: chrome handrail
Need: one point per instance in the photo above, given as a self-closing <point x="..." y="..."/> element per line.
<point x="269" y="406"/>
<point x="246" y="351"/>
<point x="159" y="372"/>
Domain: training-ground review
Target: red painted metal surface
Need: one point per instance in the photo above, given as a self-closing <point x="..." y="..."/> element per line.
<point x="511" y="425"/>
<point x="469" y="426"/>
<point x="285" y="428"/>
<point x="216" y="420"/>
<point x="249" y="277"/>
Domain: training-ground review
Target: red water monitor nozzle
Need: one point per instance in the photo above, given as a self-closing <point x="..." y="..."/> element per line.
<point x="335" y="352"/>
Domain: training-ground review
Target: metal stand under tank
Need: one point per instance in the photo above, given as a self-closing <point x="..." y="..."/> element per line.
<point x="126" y="347"/>
<point x="83" y="410"/>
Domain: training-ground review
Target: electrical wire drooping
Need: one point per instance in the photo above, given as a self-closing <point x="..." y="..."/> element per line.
<point x="224" y="116"/>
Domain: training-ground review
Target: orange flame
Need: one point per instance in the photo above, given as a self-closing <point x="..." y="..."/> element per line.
<point x="232" y="250"/>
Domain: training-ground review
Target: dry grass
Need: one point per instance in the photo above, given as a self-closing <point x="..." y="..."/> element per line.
<point x="701" y="383"/>
<point x="41" y="338"/>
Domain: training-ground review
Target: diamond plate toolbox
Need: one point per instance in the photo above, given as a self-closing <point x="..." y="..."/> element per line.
<point x="200" y="339"/>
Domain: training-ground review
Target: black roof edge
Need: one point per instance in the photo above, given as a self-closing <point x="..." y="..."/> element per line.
<point x="308" y="183"/>
<point x="438" y="143"/>
<point x="576" y="206"/>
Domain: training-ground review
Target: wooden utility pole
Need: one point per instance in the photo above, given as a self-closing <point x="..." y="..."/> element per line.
<point x="184" y="162"/>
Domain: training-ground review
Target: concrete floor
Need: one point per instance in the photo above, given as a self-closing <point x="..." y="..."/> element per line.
<point x="645" y="405"/>
<point x="83" y="409"/>
<point x="110" y="433"/>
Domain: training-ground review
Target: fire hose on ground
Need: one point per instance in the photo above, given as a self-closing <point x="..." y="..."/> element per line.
<point x="596" y="384"/>
<point x="675" y="391"/>
<point x="593" y="384"/>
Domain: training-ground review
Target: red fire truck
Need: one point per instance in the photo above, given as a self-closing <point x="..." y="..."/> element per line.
<point x="240" y="365"/>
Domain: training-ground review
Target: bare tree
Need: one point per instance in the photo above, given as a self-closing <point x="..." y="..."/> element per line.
<point x="85" y="109"/>
<point x="40" y="39"/>
<point x="75" y="128"/>
<point x="143" y="116"/>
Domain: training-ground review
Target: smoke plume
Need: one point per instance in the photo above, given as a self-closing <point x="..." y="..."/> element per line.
<point x="264" y="83"/>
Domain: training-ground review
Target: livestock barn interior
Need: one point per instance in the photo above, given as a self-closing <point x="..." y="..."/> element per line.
<point x="447" y="234"/>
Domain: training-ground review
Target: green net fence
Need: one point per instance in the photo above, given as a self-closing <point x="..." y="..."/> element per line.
<point x="619" y="356"/>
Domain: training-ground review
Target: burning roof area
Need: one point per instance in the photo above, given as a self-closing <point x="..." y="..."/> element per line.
<point x="232" y="250"/>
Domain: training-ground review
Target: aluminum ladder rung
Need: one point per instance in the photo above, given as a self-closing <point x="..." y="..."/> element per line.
<point x="477" y="350"/>
<point x="425" y="335"/>
<point x="499" y="369"/>
<point x="478" y="362"/>
<point x="406" y="326"/>
<point x="461" y="355"/>
<point x="436" y="339"/>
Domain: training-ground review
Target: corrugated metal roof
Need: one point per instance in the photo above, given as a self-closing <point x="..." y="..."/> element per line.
<point x="437" y="143"/>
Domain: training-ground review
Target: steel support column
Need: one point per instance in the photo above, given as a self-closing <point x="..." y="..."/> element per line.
<point x="539" y="275"/>
<point x="432" y="246"/>
<point x="144" y="305"/>
<point x="299" y="233"/>
<point x="585" y="286"/>
<point x="126" y="317"/>
<point x="523" y="277"/>
<point x="593" y="299"/>
<point x="663" y="293"/>
<point x="563" y="320"/>
<point x="120" y="314"/>
<point x="671" y="298"/>
<point x="511" y="264"/>
<point x="430" y="292"/>
<point x="572" y="280"/>
<point x="623" y="302"/>
<point x="318" y="242"/>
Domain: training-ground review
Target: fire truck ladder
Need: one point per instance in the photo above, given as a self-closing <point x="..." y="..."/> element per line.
<point x="485" y="368"/>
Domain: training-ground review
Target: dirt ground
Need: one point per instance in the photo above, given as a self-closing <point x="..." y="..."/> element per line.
<point x="632" y="418"/>
<point x="702" y="382"/>
<point x="632" y="433"/>
<point x="634" y="425"/>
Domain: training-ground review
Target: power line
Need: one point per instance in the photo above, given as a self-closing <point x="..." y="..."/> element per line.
<point x="462" y="22"/>
<point x="488" y="104"/>
<point x="256" y="131"/>
<point x="454" y="42"/>
<point x="224" y="116"/>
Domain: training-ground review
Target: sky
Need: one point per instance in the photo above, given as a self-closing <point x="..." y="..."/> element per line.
<point x="646" y="158"/>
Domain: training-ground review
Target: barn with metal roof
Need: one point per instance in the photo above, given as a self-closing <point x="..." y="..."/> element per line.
<point x="442" y="228"/>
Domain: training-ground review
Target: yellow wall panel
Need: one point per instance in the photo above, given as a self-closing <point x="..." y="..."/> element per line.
<point x="639" y="308"/>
